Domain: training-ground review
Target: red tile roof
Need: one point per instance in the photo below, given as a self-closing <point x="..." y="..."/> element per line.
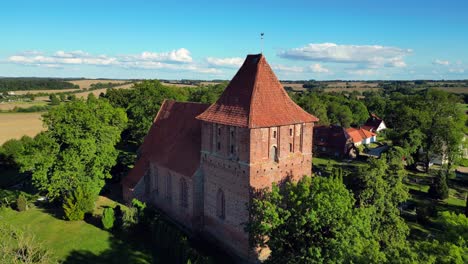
<point x="173" y="141"/>
<point x="359" y="134"/>
<point x="255" y="98"/>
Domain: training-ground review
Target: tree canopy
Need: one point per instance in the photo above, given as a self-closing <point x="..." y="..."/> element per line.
<point x="77" y="148"/>
<point x="313" y="221"/>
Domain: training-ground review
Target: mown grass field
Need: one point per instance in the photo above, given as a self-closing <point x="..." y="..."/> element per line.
<point x="16" y="125"/>
<point x="62" y="237"/>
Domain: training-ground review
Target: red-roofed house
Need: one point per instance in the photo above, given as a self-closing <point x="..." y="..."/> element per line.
<point x="374" y="124"/>
<point x="332" y="140"/>
<point x="200" y="163"/>
<point x="361" y="136"/>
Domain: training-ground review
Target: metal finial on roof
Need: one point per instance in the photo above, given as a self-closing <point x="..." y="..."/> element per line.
<point x="261" y="41"/>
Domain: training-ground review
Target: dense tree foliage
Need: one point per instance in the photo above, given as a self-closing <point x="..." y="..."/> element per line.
<point x="449" y="246"/>
<point x="23" y="84"/>
<point x="430" y="120"/>
<point x="206" y="94"/>
<point x="76" y="150"/>
<point x="333" y="108"/>
<point x="313" y="221"/>
<point x="379" y="185"/>
<point x="142" y="103"/>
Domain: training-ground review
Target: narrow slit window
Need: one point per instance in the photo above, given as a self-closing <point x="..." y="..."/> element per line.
<point x="274" y="134"/>
<point x="290" y="147"/>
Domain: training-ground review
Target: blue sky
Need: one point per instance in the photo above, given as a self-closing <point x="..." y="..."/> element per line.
<point x="362" y="39"/>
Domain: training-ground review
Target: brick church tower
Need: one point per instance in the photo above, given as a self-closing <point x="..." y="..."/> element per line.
<point x="252" y="136"/>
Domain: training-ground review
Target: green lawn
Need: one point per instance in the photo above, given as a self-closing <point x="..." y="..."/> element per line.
<point x="60" y="236"/>
<point x="84" y="241"/>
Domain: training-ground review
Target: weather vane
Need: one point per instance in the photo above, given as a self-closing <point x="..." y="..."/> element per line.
<point x="261" y="41"/>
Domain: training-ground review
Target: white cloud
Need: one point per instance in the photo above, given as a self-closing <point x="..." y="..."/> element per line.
<point x="175" y="56"/>
<point x="175" y="60"/>
<point x="362" y="72"/>
<point x="441" y="62"/>
<point x="234" y="62"/>
<point x="318" y="68"/>
<point x="374" y="56"/>
<point x="457" y="70"/>
<point x="290" y="69"/>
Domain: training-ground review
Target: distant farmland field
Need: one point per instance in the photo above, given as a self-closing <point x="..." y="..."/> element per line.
<point x="16" y="125"/>
<point x="86" y="84"/>
<point x="460" y="90"/>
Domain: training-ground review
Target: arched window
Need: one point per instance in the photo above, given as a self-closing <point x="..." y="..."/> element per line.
<point x="147" y="181"/>
<point x="154" y="178"/>
<point x="220" y="205"/>
<point x="183" y="193"/>
<point x="274" y="153"/>
<point x="168" y="186"/>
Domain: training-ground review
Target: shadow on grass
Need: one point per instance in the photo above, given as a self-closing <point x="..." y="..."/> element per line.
<point x="119" y="252"/>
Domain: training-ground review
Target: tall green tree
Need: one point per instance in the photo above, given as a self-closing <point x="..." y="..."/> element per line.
<point x="142" y="104"/>
<point x="439" y="188"/>
<point x="76" y="149"/>
<point x="379" y="185"/>
<point x="312" y="221"/>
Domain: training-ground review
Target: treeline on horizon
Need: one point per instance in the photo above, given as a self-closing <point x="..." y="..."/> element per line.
<point x="27" y="84"/>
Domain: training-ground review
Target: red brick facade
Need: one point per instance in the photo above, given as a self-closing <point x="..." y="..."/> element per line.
<point x="244" y="144"/>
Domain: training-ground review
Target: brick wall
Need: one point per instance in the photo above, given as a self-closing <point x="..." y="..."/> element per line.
<point x="252" y="165"/>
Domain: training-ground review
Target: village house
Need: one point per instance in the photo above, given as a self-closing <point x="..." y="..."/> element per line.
<point x="200" y="163"/>
<point x="361" y="136"/>
<point x="332" y="141"/>
<point x="374" y="124"/>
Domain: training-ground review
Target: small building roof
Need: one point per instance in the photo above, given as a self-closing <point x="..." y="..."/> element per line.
<point x="373" y="122"/>
<point x="359" y="134"/>
<point x="255" y="98"/>
<point x="173" y="141"/>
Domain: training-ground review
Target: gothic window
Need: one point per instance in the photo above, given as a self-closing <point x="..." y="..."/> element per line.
<point x="220" y="205"/>
<point x="219" y="145"/>
<point x="232" y="149"/>
<point x="290" y="131"/>
<point x="147" y="181"/>
<point x="274" y="153"/>
<point x="290" y="147"/>
<point x="155" y="183"/>
<point x="183" y="193"/>
<point x="274" y="134"/>
<point x="168" y="186"/>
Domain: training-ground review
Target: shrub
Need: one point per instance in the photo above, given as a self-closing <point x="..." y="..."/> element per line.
<point x="108" y="218"/>
<point x="439" y="189"/>
<point x="129" y="217"/>
<point x="78" y="203"/>
<point x="54" y="100"/>
<point x="22" y="203"/>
